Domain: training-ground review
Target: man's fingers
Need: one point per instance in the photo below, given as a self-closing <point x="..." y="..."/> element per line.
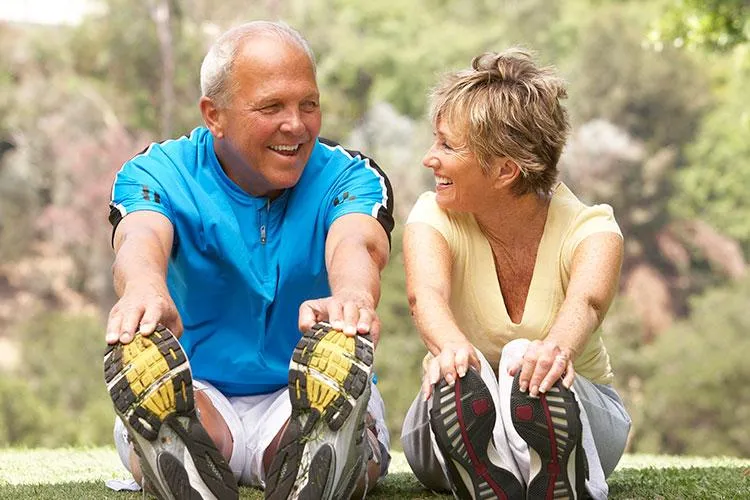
<point x="375" y="330"/>
<point x="131" y="321"/>
<point x="150" y="318"/>
<point x="366" y="320"/>
<point x="351" y="313"/>
<point x="175" y="325"/>
<point x="309" y="314"/>
<point x="335" y="313"/>
<point x="113" y="328"/>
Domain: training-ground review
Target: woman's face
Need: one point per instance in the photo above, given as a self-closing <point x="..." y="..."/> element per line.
<point x="459" y="181"/>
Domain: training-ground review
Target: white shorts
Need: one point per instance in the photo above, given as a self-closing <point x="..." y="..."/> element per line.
<point x="253" y="422"/>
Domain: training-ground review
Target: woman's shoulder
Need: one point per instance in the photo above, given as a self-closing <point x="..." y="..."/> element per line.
<point x="569" y="208"/>
<point x="427" y="209"/>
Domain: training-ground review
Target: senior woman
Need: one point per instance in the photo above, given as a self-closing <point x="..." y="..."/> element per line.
<point x="509" y="276"/>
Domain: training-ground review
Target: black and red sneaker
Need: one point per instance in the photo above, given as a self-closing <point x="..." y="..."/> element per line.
<point x="551" y="426"/>
<point x="463" y="418"/>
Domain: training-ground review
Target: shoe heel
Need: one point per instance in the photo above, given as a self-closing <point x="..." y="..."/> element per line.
<point x="329" y="384"/>
<point x="463" y="418"/>
<point x="150" y="383"/>
<point x="551" y="426"/>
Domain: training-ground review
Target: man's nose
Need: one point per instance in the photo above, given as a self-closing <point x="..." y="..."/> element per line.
<point x="293" y="123"/>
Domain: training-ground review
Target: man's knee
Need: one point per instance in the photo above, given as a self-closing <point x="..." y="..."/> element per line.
<point x="214" y="423"/>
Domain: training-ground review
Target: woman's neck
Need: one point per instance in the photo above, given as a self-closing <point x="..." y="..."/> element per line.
<point x="514" y="220"/>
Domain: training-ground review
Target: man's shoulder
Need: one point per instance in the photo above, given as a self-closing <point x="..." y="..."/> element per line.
<point x="176" y="151"/>
<point x="329" y="150"/>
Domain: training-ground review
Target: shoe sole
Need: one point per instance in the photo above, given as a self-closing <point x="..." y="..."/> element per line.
<point x="150" y="383"/>
<point x="462" y="418"/>
<point x="329" y="384"/>
<point x="551" y="426"/>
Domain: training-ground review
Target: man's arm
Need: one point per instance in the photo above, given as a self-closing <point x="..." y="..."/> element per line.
<point x="142" y="244"/>
<point x="356" y="252"/>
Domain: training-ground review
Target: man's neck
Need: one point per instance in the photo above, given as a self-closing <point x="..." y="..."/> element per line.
<point x="242" y="175"/>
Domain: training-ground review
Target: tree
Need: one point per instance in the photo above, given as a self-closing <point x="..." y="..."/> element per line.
<point x="698" y="401"/>
<point x="714" y="24"/>
<point x="657" y="97"/>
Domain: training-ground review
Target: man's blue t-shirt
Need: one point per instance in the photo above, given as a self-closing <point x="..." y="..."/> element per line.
<point x="241" y="265"/>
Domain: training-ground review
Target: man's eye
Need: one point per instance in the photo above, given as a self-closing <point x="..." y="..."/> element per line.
<point x="270" y="109"/>
<point x="310" y="105"/>
<point x="445" y="146"/>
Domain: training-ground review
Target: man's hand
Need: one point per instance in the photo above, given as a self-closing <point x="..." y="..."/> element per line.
<point x="352" y="313"/>
<point x="542" y="365"/>
<point x="453" y="362"/>
<point x="140" y="308"/>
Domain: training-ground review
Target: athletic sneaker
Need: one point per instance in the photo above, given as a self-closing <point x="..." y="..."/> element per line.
<point x="323" y="451"/>
<point x="551" y="426"/>
<point x="462" y="418"/>
<point x="151" y="387"/>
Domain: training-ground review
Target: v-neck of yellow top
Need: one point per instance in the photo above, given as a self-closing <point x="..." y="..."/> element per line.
<point x="542" y="256"/>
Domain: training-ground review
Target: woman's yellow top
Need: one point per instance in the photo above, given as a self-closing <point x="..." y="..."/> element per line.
<point x="476" y="300"/>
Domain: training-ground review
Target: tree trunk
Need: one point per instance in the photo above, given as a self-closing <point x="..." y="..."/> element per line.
<point x="161" y="16"/>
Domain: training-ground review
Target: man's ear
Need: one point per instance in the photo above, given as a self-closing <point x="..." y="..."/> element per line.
<point x="507" y="172"/>
<point x="212" y="116"/>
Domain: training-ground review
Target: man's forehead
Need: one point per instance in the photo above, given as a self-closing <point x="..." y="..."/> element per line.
<point x="264" y="48"/>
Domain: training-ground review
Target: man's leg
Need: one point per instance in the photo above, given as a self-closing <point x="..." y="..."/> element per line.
<point x="368" y="479"/>
<point x="211" y="420"/>
<point x="150" y="384"/>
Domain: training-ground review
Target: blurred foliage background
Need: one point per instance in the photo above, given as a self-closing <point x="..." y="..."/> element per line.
<point x="661" y="132"/>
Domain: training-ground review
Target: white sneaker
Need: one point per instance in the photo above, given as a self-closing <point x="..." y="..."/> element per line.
<point x="323" y="451"/>
<point x="151" y="387"/>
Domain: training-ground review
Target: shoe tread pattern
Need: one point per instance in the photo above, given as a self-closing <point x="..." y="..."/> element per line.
<point x="553" y="416"/>
<point x="329" y="370"/>
<point x="463" y="433"/>
<point x="150" y="384"/>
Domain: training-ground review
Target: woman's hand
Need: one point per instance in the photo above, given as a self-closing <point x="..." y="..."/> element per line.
<point x="454" y="360"/>
<point x="542" y="365"/>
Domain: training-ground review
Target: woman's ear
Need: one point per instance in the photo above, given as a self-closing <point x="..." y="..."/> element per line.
<point x="507" y="172"/>
<point x="212" y="117"/>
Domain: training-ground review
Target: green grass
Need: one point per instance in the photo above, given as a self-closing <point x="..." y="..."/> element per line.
<point x="75" y="473"/>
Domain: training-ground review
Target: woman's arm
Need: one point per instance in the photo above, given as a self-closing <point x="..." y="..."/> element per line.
<point x="594" y="277"/>
<point x="428" y="284"/>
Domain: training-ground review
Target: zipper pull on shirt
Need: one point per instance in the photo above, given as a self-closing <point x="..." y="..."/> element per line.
<point x="263" y="220"/>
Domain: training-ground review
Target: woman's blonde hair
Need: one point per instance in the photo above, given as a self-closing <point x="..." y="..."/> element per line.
<point x="506" y="105"/>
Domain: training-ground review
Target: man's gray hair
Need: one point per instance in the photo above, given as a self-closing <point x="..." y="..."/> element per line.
<point x="216" y="70"/>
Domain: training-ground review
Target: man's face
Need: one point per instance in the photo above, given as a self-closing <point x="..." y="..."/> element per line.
<point x="273" y="118"/>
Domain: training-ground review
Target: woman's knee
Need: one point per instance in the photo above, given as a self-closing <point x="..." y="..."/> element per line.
<point x="514" y="350"/>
